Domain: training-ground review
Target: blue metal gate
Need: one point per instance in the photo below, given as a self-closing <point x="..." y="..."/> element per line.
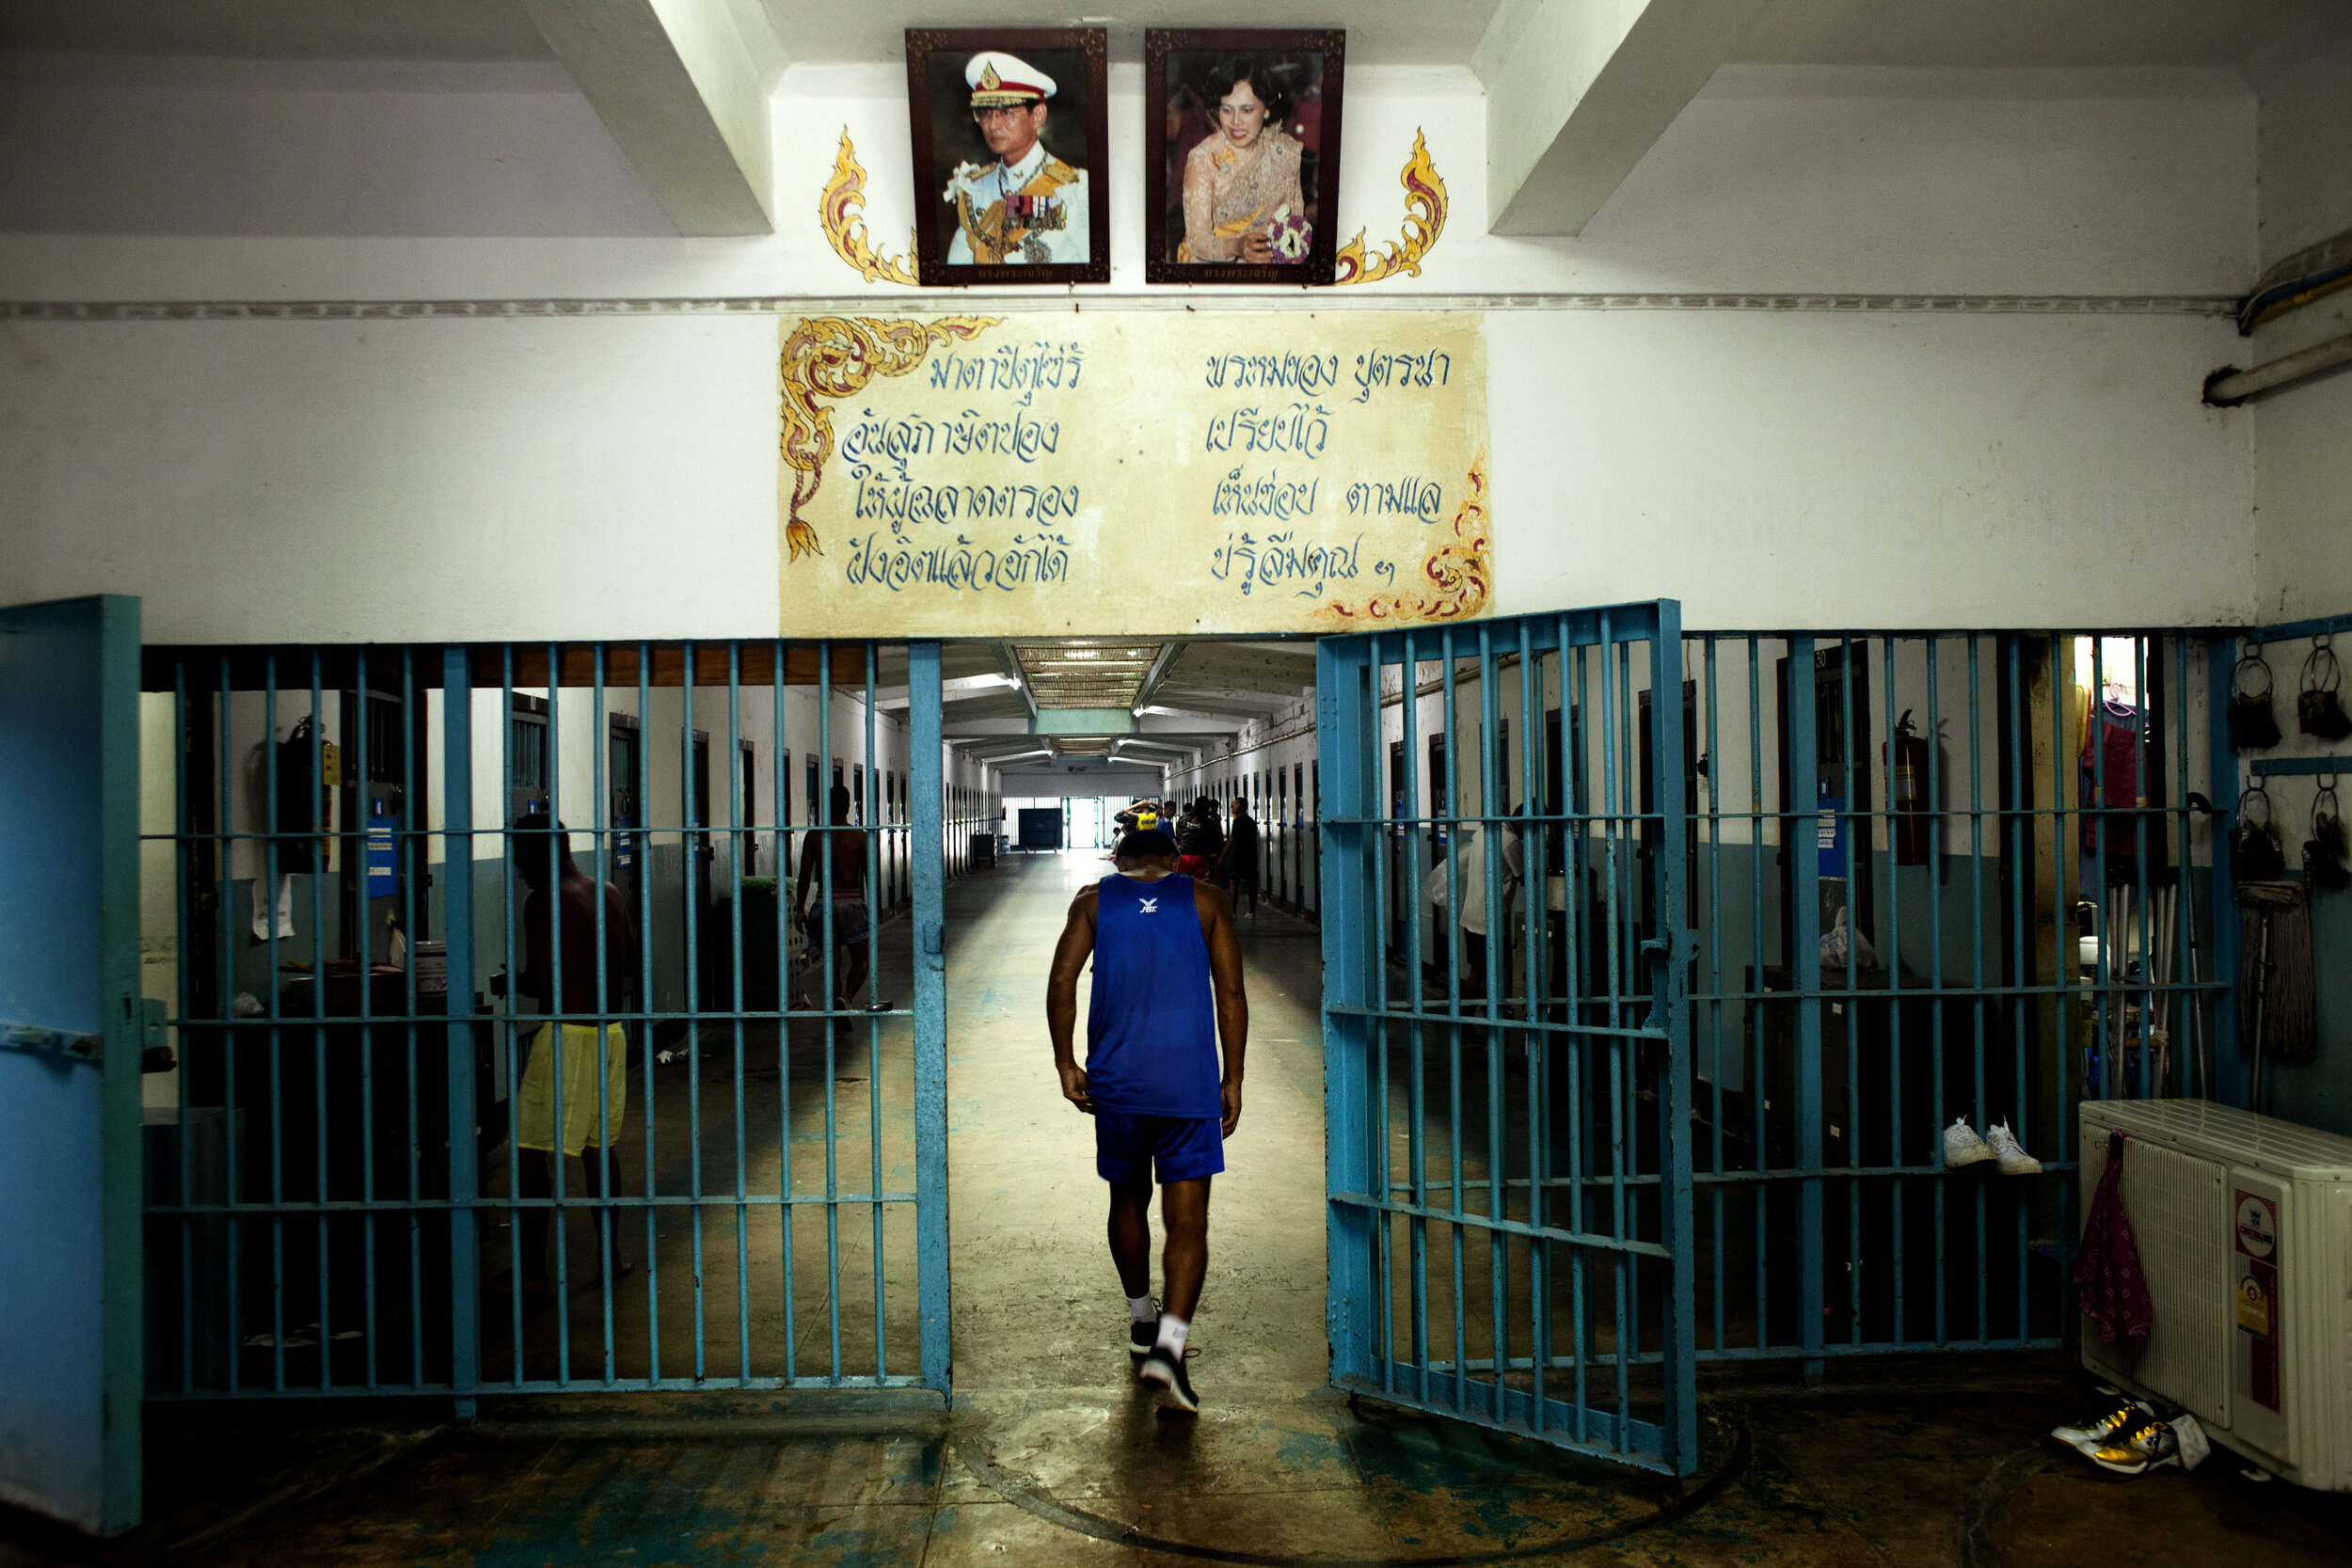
<point x="1939" y="877"/>
<point x="1944" y="887"/>
<point x="71" y="1034"/>
<point x="1507" y="1068"/>
<point x="339" y="1200"/>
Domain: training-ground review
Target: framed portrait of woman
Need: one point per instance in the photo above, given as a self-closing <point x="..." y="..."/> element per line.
<point x="1242" y="154"/>
<point x="1009" y="155"/>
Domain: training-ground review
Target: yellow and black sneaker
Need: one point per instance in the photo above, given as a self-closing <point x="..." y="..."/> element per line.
<point x="2151" y="1444"/>
<point x="2119" y="1417"/>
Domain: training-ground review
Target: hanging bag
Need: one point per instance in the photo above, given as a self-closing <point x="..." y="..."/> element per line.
<point x="2114" y="1292"/>
<point x="2324" y="855"/>
<point x="2252" y="724"/>
<point x="2254" y="852"/>
<point x="2318" y="708"/>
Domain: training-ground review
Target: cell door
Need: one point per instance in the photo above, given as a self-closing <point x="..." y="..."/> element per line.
<point x="1508" y="1105"/>
<point x="71" y="1028"/>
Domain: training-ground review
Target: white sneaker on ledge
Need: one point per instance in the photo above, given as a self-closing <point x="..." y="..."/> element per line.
<point x="2012" y="1156"/>
<point x="1961" y="1146"/>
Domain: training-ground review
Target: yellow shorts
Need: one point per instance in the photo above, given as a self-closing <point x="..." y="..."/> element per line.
<point x="584" y="1119"/>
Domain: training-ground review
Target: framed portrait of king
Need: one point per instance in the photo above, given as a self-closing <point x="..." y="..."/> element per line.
<point x="1010" y="155"/>
<point x="1241" y="154"/>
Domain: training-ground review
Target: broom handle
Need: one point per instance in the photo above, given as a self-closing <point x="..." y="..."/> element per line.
<point x="2262" y="1015"/>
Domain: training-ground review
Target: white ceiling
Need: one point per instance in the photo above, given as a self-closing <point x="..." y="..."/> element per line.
<point x="1380" y="32"/>
<point x="2034" y="33"/>
<point x="278" y="29"/>
<point x="1923" y="33"/>
<point x="1383" y="31"/>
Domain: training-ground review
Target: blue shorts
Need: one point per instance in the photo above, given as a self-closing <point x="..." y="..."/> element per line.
<point x="1127" y="1147"/>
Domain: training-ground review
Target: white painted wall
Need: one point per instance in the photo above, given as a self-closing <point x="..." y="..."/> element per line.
<point x="342" y="482"/>
<point x="1906" y="471"/>
<point x="2304" y="490"/>
<point x="1775" y="178"/>
<point x="616" y="477"/>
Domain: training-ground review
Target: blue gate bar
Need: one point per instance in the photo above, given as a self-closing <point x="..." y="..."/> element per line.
<point x="367" y="1188"/>
<point x="1552" y="1003"/>
<point x="457" y="920"/>
<point x="1975" y="841"/>
<point x="931" y="1011"/>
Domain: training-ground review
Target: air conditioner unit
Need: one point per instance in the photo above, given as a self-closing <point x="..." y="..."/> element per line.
<point x="2244" y="1225"/>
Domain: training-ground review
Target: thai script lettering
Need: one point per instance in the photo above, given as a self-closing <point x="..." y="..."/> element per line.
<point x="1279" y="558"/>
<point x="892" y="444"/>
<point x="1022" y="368"/>
<point x="1408" y="496"/>
<point x="1432" y="368"/>
<point x="1301" y="429"/>
<point x="1308" y="374"/>
<point x="1271" y="496"/>
<point x="900" y="502"/>
<point x="962" y="566"/>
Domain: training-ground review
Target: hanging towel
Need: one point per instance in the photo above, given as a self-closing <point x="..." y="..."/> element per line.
<point x="2106" y="1271"/>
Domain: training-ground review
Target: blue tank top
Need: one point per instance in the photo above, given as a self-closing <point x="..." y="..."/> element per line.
<point x="1152" y="1024"/>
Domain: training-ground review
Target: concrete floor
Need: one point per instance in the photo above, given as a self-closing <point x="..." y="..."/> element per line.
<point x="1050" y="1457"/>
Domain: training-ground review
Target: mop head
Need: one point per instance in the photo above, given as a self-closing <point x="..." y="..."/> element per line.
<point x="2288" y="1034"/>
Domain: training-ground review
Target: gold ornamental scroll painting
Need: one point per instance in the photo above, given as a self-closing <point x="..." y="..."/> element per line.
<point x="1143" y="473"/>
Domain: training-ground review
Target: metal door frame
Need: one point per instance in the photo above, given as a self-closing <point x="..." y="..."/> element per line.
<point x="1353" y="831"/>
<point x="77" y="1315"/>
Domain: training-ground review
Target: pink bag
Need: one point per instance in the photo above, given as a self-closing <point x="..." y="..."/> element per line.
<point x="2106" y="1270"/>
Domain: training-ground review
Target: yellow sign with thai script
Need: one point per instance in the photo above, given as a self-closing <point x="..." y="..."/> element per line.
<point x="1132" y="473"/>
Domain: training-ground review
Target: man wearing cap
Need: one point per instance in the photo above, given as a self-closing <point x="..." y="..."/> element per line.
<point x="1027" y="207"/>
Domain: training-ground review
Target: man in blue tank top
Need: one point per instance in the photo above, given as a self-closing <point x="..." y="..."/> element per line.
<point x="1168" y="992"/>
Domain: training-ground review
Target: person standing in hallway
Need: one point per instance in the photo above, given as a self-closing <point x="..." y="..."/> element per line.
<point x="1238" y="868"/>
<point x="558" y="1120"/>
<point x="1200" y="839"/>
<point x="1167" y="992"/>
<point x="844" y="847"/>
<point x="1468" y="866"/>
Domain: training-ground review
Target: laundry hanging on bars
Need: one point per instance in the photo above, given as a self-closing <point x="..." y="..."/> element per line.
<point x="2107" y="776"/>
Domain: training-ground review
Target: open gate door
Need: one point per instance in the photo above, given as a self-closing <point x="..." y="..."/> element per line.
<point x="70" y="1026"/>
<point x="1506" y="1055"/>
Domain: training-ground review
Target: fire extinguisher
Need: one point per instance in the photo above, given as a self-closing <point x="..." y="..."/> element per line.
<point x="1909" y="792"/>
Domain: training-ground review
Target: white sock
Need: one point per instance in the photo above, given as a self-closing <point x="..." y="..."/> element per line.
<point x="1139" y="1310"/>
<point x="1172" y="1332"/>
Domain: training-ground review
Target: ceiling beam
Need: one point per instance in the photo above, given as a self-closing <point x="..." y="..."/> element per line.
<point x="1075" y="722"/>
<point x="683" y="87"/>
<point x="1009" y="664"/>
<point x="1153" y="676"/>
<point x="1239" y="657"/>
<point x="1579" y="90"/>
<point x="1227" y="699"/>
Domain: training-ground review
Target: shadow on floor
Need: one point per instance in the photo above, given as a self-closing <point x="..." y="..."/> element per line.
<point x="1954" y="1470"/>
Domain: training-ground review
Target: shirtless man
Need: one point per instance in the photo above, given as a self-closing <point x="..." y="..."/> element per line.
<point x="845" y="848"/>
<point x="1167" y="990"/>
<point x="569" y="1117"/>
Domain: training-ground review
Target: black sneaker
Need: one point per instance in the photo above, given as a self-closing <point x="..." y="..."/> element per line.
<point x="1166" y="1373"/>
<point x="1141" y="1336"/>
